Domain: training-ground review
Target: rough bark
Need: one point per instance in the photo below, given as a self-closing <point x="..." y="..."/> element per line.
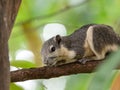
<point x="54" y="71"/>
<point x="51" y="72"/>
<point x="8" y="11"/>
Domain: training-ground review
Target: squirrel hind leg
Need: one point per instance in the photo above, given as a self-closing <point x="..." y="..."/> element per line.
<point x="84" y="60"/>
<point x="96" y="57"/>
<point x="98" y="51"/>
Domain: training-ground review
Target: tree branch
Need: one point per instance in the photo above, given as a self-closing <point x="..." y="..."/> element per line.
<point x="66" y="8"/>
<point x="51" y="72"/>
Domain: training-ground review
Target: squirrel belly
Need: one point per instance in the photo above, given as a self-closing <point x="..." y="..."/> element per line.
<point x="90" y="42"/>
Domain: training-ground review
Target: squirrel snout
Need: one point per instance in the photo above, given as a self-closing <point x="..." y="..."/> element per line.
<point x="45" y="61"/>
<point x="49" y="61"/>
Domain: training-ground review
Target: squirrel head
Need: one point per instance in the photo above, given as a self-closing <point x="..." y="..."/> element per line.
<point x="50" y="51"/>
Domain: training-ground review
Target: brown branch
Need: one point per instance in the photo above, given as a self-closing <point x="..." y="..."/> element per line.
<point x="51" y="72"/>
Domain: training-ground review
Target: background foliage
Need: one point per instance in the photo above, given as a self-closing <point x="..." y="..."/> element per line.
<point x="35" y="14"/>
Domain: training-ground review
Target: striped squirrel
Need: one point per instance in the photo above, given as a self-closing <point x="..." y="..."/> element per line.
<point x="90" y="42"/>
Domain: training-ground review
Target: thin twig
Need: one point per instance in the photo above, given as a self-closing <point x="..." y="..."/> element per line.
<point x="52" y="14"/>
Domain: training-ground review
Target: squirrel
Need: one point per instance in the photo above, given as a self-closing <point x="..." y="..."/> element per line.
<point x="90" y="42"/>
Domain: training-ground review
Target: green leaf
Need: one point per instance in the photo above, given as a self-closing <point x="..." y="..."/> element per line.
<point x="22" y="63"/>
<point x="104" y="74"/>
<point x="15" y="87"/>
<point x="78" y="82"/>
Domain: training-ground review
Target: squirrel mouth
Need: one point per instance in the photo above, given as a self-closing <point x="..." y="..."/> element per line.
<point x="60" y="62"/>
<point x="55" y="61"/>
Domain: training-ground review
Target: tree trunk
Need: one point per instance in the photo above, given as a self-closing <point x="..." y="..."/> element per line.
<point x="8" y="11"/>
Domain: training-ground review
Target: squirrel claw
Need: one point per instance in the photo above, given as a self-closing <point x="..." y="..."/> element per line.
<point x="83" y="60"/>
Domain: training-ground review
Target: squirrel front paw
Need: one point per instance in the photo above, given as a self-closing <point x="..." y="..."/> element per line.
<point x="84" y="60"/>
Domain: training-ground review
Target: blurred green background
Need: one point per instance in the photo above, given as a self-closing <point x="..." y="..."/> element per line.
<point x="26" y="40"/>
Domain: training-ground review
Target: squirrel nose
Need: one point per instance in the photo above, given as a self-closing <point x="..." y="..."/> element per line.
<point x="46" y="61"/>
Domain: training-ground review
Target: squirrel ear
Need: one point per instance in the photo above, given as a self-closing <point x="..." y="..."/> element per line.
<point x="58" y="39"/>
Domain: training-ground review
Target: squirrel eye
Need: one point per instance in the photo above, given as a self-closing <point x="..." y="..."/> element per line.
<point x="52" y="48"/>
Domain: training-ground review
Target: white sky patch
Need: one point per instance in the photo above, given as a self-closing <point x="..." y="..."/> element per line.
<point x="12" y="68"/>
<point x="24" y="55"/>
<point x="55" y="83"/>
<point x="27" y="85"/>
<point x="53" y="29"/>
